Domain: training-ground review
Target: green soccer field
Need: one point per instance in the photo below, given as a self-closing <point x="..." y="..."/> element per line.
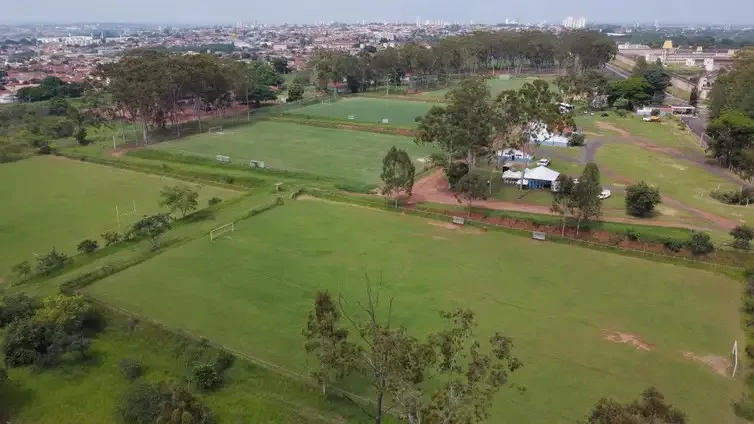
<point x="368" y="110"/>
<point x="351" y="155"/>
<point x="252" y="290"/>
<point x="53" y="201"/>
<point x="497" y="86"/>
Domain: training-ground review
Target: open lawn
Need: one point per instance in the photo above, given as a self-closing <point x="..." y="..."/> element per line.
<point x="252" y="290"/>
<point x="681" y="180"/>
<point x="351" y="155"/>
<point x="496" y="85"/>
<point x="368" y="110"/>
<point x="88" y="392"/>
<point x="53" y="201"/>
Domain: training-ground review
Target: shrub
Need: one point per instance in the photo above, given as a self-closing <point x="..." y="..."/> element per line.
<point x="641" y="199"/>
<point x="750" y="351"/>
<point x="18" y="307"/>
<point x="700" y="243"/>
<point x="734" y="197"/>
<point x="742" y="236"/>
<point x="87" y="246"/>
<point x="22" y="269"/>
<point x="632" y="234"/>
<point x="577" y="139"/>
<point x="142" y="403"/>
<point x="206" y="377"/>
<point x="29" y="341"/>
<point x="622" y="113"/>
<point x="673" y="245"/>
<point x="111" y="238"/>
<point x="213" y="201"/>
<point x="744" y="407"/>
<point x="438" y="159"/>
<point x="45" y="149"/>
<point x="130" y="369"/>
<point x="455" y="171"/>
<point x="224" y="361"/>
<point x="229" y="179"/>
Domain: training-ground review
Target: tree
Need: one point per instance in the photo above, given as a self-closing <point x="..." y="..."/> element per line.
<point x="455" y="171"/>
<point x="731" y="134"/>
<point x="141" y="402"/>
<point x="641" y="199"/>
<point x="328" y="342"/>
<point x="636" y="91"/>
<point x="81" y="136"/>
<point x="22" y="269"/>
<point x="652" y="409"/>
<point x="585" y="195"/>
<point x="18" y="307"/>
<point x="295" y="92"/>
<point x="656" y="76"/>
<point x="397" y="173"/>
<point x="58" y="106"/>
<point x="51" y="262"/>
<point x="179" y="198"/>
<point x="152" y="227"/>
<point x="70" y="313"/>
<point x="87" y="246"/>
<point x="206" y="377"/>
<point x="472" y="186"/>
<point x="30" y="341"/>
<point x="694" y="97"/>
<point x="742" y="236"/>
<point x="465" y="125"/>
<point x="562" y="199"/>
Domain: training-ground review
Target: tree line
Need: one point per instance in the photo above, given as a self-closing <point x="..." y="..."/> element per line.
<point x="466" y="55"/>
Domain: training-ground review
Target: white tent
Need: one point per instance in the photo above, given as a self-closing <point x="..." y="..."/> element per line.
<point x="539" y="177"/>
<point x="541" y="136"/>
<point x="542" y="173"/>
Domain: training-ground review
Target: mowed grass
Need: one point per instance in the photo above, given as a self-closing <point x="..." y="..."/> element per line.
<point x="89" y="392"/>
<point x="679" y="179"/>
<point x="252" y="291"/>
<point x="497" y="86"/>
<point x="53" y="201"/>
<point x="368" y="110"/>
<point x="351" y="155"/>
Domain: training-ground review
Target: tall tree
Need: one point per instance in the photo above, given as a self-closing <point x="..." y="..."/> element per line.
<point x="586" y="192"/>
<point x="179" y="198"/>
<point x="328" y="342"/>
<point x="641" y="199"/>
<point x="472" y="186"/>
<point x="730" y="135"/>
<point x="152" y="227"/>
<point x="397" y="173"/>
<point x="562" y="199"/>
<point x="465" y="125"/>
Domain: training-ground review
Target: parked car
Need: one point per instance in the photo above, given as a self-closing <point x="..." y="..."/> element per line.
<point x="605" y="194"/>
<point x="543" y="162"/>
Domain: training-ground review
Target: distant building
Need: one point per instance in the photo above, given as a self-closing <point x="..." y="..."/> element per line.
<point x="574" y="23"/>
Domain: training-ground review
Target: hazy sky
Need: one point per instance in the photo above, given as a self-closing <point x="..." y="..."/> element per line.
<point x="309" y="11"/>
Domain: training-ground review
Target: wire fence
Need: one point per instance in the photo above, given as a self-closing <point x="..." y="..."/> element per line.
<point x="460" y="220"/>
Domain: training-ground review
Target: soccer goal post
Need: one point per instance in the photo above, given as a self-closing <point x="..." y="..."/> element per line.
<point x="734" y="352"/>
<point x="215" y="130"/>
<point x="121" y="213"/>
<point x="223" y="229"/>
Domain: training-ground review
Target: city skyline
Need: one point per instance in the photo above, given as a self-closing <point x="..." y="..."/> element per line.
<point x="299" y="12"/>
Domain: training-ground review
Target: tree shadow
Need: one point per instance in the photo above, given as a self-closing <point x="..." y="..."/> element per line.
<point x="13" y="398"/>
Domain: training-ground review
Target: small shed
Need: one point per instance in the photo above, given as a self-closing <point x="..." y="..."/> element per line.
<point x="513" y="155"/>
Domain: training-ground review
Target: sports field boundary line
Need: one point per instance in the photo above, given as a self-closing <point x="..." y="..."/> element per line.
<point x="268" y="365"/>
<point x="338" y="197"/>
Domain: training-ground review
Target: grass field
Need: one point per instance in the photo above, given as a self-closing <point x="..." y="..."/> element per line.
<point x="54" y="201"/>
<point x="496" y="85"/>
<point x="368" y="110"/>
<point x="89" y="392"/>
<point x="679" y="179"/>
<point x="264" y="276"/>
<point x="352" y="155"/>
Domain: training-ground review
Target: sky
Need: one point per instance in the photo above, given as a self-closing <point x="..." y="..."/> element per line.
<point x="311" y="11"/>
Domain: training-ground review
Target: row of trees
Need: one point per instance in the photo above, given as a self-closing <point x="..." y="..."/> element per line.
<point x="48" y="88"/>
<point x="152" y="87"/>
<point x="731" y="129"/>
<point x="447" y="377"/>
<point x="480" y="52"/>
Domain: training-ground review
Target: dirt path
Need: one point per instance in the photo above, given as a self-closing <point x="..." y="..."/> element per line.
<point x="433" y="188"/>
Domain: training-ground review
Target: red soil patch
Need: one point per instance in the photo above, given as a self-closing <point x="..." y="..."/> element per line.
<point x="605" y="126"/>
<point x="654" y="148"/>
<point x="626" y="338"/>
<point x="122" y="151"/>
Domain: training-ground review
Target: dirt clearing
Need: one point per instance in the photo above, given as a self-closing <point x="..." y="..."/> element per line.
<point x="451" y="226"/>
<point x="719" y="364"/>
<point x="626" y="338"/>
<point x="605" y="126"/>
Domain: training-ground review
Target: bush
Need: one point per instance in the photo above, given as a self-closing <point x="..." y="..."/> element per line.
<point x="52" y="262"/>
<point x="142" y="403"/>
<point x="30" y="342"/>
<point x="438" y="159"/>
<point x="130" y="369"/>
<point x="700" y="243"/>
<point x="228" y="179"/>
<point x="455" y="171"/>
<point x="750" y="351"/>
<point x="576" y="140"/>
<point x="641" y="199"/>
<point x="87" y="246"/>
<point x="45" y="149"/>
<point x="742" y="236"/>
<point x="18" y="307"/>
<point x="206" y="377"/>
<point x="224" y="361"/>
<point x="111" y="238"/>
<point x="213" y="201"/>
<point x="744" y="407"/>
<point x="632" y="234"/>
<point x="622" y="113"/>
<point x="673" y="245"/>
<point x="734" y="197"/>
<point x="22" y="269"/>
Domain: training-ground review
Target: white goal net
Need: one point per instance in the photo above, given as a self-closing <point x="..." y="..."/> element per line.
<point x="734" y="353"/>
<point x="215" y="130"/>
<point x="121" y="213"/>
<point x="221" y="230"/>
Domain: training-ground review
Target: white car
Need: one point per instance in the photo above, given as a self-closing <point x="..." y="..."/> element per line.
<point x="605" y="194"/>
<point x="646" y="119"/>
<point x="543" y="162"/>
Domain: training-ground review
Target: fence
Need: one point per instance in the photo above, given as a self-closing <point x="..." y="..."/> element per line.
<point x="556" y="238"/>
